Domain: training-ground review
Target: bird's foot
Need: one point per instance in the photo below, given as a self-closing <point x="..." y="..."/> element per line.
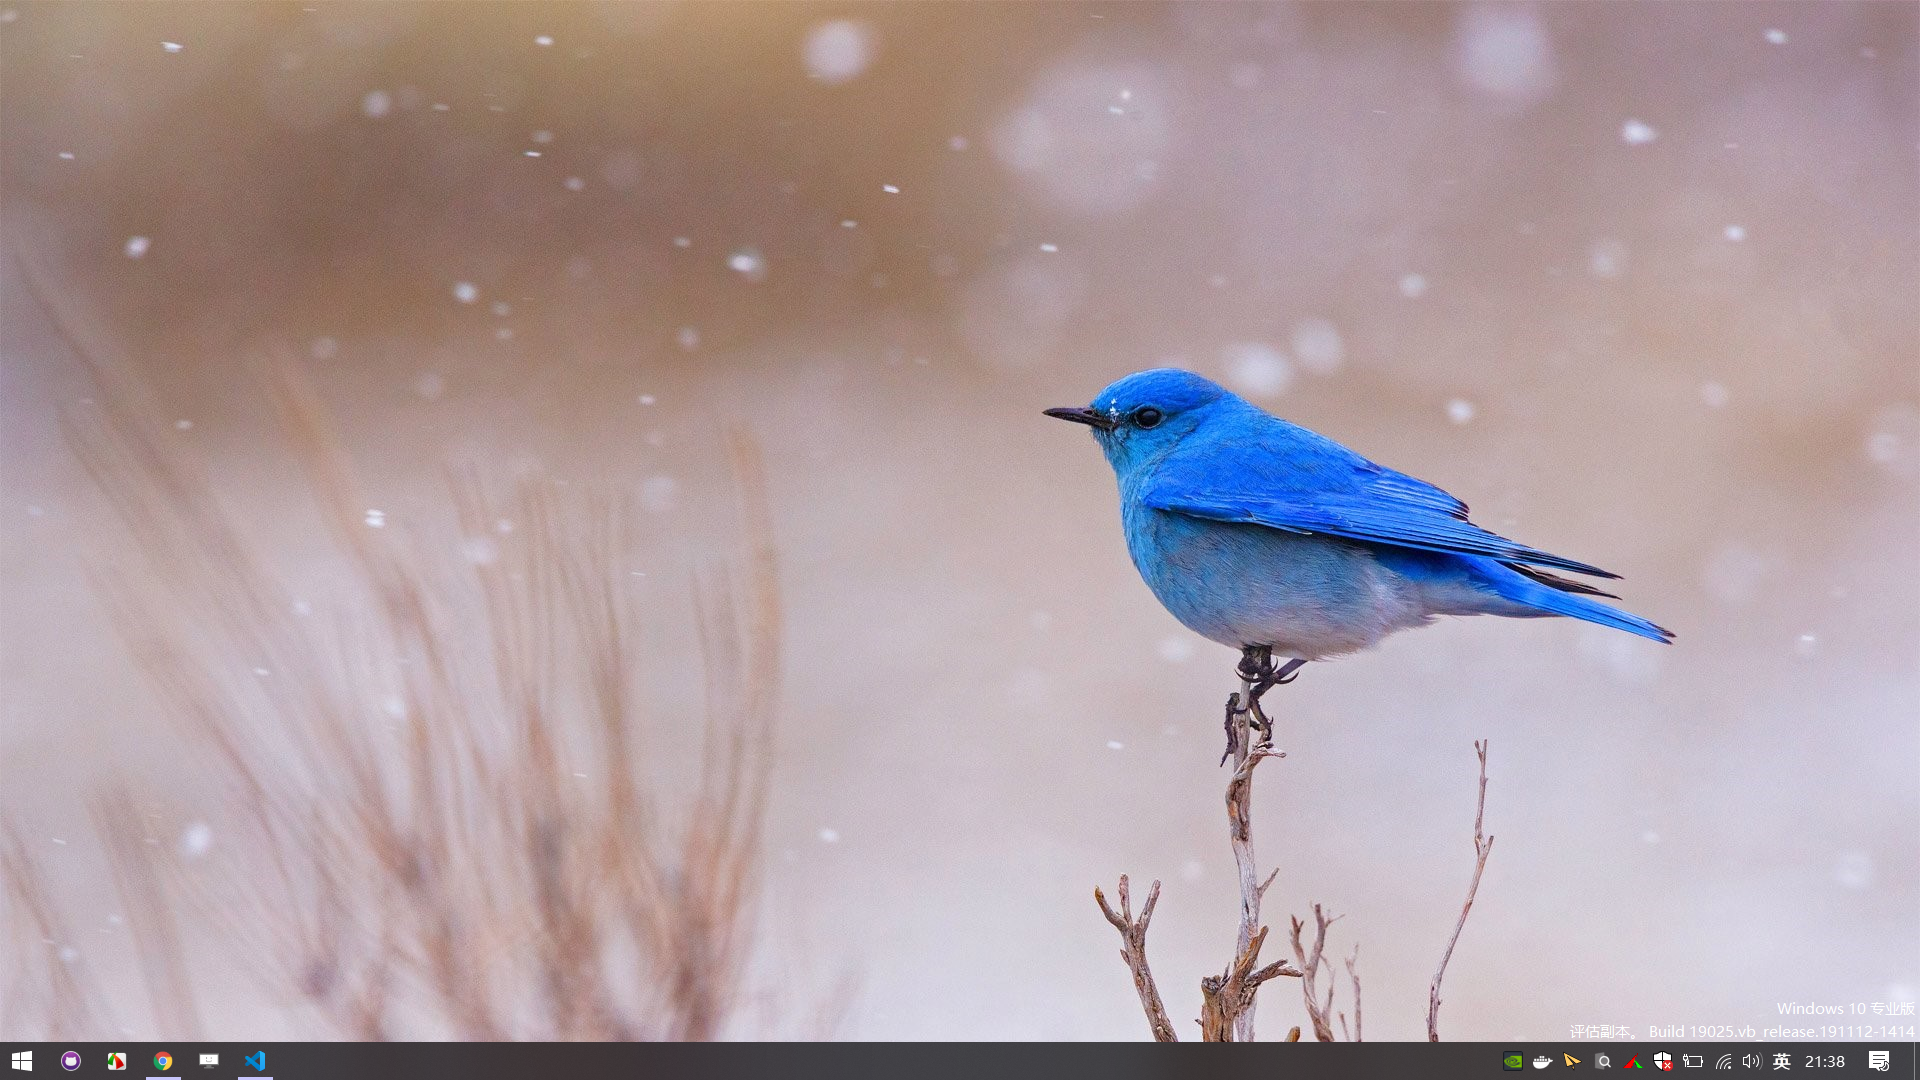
<point x="1233" y="729"/>
<point x="1257" y="720"/>
<point x="1256" y="663"/>
<point x="1261" y="674"/>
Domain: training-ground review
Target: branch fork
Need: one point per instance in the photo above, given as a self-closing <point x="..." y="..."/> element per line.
<point x="1227" y="999"/>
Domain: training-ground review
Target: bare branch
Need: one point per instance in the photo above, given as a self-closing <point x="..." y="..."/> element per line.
<point x="1246" y="756"/>
<point x="1482" y="847"/>
<point x="1226" y="998"/>
<point x="1133" y="950"/>
<point x="1353" y="976"/>
<point x="1319" y="1007"/>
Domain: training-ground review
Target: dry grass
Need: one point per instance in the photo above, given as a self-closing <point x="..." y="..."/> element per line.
<point x="436" y="813"/>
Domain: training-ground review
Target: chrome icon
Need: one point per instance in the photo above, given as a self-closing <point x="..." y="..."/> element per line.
<point x="163" y="1061"/>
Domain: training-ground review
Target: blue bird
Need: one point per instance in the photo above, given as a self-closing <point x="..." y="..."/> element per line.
<point x="1271" y="539"/>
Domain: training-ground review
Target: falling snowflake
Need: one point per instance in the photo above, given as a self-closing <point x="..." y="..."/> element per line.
<point x="838" y="51"/>
<point x="1318" y="347"/>
<point x="196" y="840"/>
<point x="748" y="263"/>
<point x="1607" y="259"/>
<point x="1637" y="133"/>
<point x="1258" y="370"/>
<point x="658" y="494"/>
<point x="1853" y="870"/>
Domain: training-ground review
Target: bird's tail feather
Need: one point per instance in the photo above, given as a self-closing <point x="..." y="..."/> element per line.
<point x="1551" y="600"/>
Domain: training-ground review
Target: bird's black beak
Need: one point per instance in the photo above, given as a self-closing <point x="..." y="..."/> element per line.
<point x="1088" y="417"/>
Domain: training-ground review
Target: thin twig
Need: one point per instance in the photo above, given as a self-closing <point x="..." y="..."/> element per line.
<point x="1353" y="976"/>
<point x="1310" y="961"/>
<point x="1482" y="847"/>
<point x="1133" y="950"/>
<point x="1240" y="835"/>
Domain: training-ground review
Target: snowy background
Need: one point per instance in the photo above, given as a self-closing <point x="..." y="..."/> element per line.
<point x="1635" y="281"/>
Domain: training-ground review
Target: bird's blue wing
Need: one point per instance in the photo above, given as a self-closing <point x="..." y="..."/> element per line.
<point x="1294" y="480"/>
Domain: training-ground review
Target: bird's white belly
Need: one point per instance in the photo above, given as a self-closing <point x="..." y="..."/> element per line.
<point x="1305" y="596"/>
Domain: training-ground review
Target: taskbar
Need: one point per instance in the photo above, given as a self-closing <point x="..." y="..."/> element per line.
<point x="962" y="1061"/>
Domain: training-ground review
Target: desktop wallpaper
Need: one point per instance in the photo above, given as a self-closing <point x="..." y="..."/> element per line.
<point x="535" y="521"/>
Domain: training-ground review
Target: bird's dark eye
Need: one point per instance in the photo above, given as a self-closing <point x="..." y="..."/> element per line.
<point x="1147" y="416"/>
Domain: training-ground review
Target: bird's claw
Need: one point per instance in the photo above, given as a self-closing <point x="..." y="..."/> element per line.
<point x="1257" y="720"/>
<point x="1261" y="674"/>
<point x="1233" y="731"/>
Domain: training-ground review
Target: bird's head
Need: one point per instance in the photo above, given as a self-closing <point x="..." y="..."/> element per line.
<point x="1143" y="415"/>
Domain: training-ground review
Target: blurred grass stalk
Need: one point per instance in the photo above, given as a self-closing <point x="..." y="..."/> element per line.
<point x="446" y="826"/>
